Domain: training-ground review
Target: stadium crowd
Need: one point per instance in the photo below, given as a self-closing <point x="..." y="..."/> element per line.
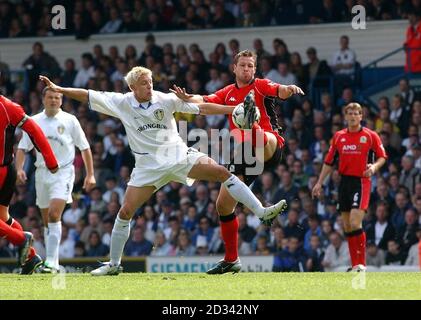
<point x="181" y="220"/>
<point x="33" y="17"/>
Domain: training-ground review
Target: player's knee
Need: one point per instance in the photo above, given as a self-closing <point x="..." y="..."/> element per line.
<point x="126" y="212"/>
<point x="222" y="173"/>
<point x="222" y="208"/>
<point x="355" y="224"/>
<point x="54" y="216"/>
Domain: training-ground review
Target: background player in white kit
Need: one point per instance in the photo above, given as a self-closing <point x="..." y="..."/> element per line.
<point x="161" y="155"/>
<point x="53" y="191"/>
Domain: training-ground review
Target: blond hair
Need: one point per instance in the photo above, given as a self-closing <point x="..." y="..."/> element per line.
<point x="135" y="74"/>
<point x="353" y="106"/>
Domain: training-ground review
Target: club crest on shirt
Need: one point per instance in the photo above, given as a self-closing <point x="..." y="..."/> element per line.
<point x="159" y="114"/>
<point x="60" y="129"/>
<point x="363" y="139"/>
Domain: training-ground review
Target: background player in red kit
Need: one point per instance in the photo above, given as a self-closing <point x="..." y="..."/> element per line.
<point x="11" y="117"/>
<point x="268" y="129"/>
<point x="354" y="148"/>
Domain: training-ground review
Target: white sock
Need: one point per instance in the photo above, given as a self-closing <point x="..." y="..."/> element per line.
<point x="119" y="236"/>
<point x="53" y="243"/>
<point x="240" y="192"/>
<point x="45" y="235"/>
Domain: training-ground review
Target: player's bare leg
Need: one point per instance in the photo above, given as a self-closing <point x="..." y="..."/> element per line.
<point x="51" y="218"/>
<point x="134" y="198"/>
<point x="208" y="170"/>
<point x="234" y="191"/>
<point x="356" y="238"/>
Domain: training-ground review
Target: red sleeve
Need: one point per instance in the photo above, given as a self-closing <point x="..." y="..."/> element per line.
<point x="219" y="96"/>
<point x="40" y="142"/>
<point x="14" y="111"/>
<point x="377" y="146"/>
<point x="332" y="153"/>
<point x="267" y="87"/>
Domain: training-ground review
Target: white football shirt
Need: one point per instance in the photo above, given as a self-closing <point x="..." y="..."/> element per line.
<point x="151" y="128"/>
<point x="63" y="132"/>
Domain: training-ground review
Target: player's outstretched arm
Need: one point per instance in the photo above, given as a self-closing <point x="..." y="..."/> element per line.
<point x="186" y="97"/>
<point x="73" y="93"/>
<point x="207" y="108"/>
<point x="284" y="92"/>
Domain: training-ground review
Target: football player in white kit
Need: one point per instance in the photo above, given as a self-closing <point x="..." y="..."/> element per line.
<point x="160" y="153"/>
<point x="53" y="191"/>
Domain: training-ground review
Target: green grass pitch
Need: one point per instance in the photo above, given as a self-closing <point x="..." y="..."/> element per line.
<point x="246" y="286"/>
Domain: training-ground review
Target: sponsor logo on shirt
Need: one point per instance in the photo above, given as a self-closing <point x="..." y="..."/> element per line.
<point x="151" y="126"/>
<point x="349" y="147"/>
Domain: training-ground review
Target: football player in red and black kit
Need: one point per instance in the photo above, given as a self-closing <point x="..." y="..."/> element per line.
<point x="12" y="116"/>
<point x="354" y="148"/>
<point x="255" y="93"/>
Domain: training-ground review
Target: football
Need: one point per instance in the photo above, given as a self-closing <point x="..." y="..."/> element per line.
<point x="238" y="117"/>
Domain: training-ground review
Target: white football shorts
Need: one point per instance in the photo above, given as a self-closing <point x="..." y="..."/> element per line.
<point x="57" y="185"/>
<point x="175" y="169"/>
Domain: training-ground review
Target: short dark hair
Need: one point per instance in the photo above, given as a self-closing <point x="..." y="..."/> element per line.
<point x="245" y="53"/>
<point x="44" y="91"/>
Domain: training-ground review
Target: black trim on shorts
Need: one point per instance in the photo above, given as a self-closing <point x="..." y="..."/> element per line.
<point x="227" y="218"/>
<point x="8" y="187"/>
<point x="240" y="169"/>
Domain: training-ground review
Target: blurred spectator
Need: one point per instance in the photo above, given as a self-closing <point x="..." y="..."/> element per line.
<point x="337" y="254"/>
<point x="406" y="234"/>
<point x="40" y="62"/>
<point x="343" y="63"/>
<point x="80" y="249"/>
<point x="381" y="231"/>
<point x="161" y="246"/>
<point x="375" y="256"/>
<point x="94" y="224"/>
<point x="96" y="247"/>
<point x="315" y="255"/>
<point x="246" y="232"/>
<point x="138" y="245"/>
<point x="393" y="255"/>
<point x="202" y="248"/>
<point x="291" y="259"/>
<point x="413" y="42"/>
<point x="72" y="214"/>
<point x="407" y="93"/>
<point x="314" y="230"/>
<point x="86" y="72"/>
<point x="5" y="252"/>
<point x="293" y="228"/>
<point x="67" y="244"/>
<point x="113" y="25"/>
<point x="414" y="251"/>
<point x="204" y="230"/>
<point x="184" y="248"/>
<point x="409" y="174"/>
<point x="315" y="71"/>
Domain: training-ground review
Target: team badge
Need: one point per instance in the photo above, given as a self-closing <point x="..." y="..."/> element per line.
<point x="60" y="129"/>
<point x="363" y="139"/>
<point x="159" y="114"/>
